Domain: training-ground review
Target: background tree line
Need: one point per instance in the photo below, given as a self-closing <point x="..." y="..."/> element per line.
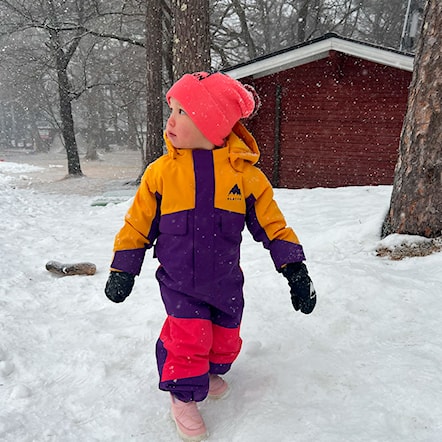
<point x="97" y="69"/>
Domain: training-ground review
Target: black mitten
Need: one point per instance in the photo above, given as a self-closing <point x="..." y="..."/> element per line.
<point x="301" y="287"/>
<point x="119" y="285"/>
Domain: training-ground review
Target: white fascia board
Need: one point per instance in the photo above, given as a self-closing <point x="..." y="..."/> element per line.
<point x="376" y="55"/>
<point x="317" y="51"/>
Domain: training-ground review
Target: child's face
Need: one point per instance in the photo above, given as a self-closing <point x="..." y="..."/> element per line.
<point x="181" y="130"/>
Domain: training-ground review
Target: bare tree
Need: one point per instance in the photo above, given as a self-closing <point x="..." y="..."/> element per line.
<point x="63" y="53"/>
<point x="244" y="29"/>
<point x="62" y="41"/>
<point x="57" y="32"/>
<point x="416" y="201"/>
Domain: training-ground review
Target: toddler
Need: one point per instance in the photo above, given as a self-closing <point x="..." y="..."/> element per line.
<point x="191" y="206"/>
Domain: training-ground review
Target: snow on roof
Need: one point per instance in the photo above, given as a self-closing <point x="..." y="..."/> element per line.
<point x="317" y="49"/>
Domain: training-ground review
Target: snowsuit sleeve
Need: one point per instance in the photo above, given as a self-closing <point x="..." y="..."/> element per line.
<point x="140" y="228"/>
<point x="267" y="224"/>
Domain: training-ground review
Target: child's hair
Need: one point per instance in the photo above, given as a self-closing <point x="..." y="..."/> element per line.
<point x="215" y="102"/>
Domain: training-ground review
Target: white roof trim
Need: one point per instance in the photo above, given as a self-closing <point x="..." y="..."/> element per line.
<point x="316" y="51"/>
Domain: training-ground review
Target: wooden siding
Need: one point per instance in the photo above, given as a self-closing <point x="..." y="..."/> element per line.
<point x="340" y="122"/>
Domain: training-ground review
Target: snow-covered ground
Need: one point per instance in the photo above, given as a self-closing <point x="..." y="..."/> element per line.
<point x="364" y="366"/>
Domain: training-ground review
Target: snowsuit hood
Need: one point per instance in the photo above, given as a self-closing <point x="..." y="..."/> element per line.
<point x="241" y="145"/>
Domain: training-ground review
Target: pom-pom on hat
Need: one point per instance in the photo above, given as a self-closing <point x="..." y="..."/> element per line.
<point x="214" y="101"/>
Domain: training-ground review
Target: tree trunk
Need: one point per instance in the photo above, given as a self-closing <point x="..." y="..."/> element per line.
<point x="67" y="123"/>
<point x="154" y="110"/>
<point x="416" y="201"/>
<point x="191" y="39"/>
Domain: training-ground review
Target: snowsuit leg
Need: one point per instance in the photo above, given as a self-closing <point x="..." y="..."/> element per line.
<point x="197" y="338"/>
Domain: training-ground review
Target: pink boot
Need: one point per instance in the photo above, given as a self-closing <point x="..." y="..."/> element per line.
<point x="218" y="387"/>
<point x="188" y="420"/>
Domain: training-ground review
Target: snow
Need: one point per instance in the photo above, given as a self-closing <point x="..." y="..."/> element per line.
<point x="364" y="366"/>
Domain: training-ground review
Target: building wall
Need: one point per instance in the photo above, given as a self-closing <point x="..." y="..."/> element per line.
<point x="339" y="123"/>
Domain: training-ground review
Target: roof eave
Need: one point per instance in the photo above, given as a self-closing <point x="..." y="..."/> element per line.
<point x="318" y="50"/>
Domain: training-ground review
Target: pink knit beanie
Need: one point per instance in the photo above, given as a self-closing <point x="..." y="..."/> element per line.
<point x="215" y="102"/>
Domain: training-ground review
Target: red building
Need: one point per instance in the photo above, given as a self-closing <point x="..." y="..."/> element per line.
<point x="332" y="112"/>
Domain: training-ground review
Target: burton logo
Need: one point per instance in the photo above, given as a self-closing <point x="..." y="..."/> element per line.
<point x="234" y="194"/>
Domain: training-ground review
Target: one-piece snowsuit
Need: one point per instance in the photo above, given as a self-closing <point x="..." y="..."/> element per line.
<point x="192" y="205"/>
